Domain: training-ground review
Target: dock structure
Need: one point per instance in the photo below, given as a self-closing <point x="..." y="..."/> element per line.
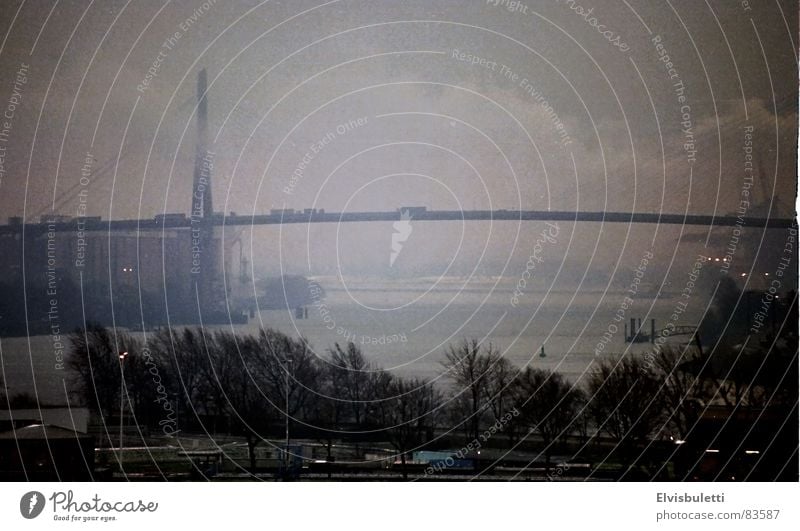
<point x="637" y="335"/>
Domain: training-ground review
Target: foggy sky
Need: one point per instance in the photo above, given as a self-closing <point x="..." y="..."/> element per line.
<point x="438" y="132"/>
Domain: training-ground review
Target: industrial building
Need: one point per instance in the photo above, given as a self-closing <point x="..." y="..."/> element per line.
<point x="65" y="271"/>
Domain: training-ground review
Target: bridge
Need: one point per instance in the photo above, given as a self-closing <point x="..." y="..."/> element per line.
<point x="165" y="221"/>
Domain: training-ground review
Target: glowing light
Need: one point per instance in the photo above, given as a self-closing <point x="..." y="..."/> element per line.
<point x="712" y="451"/>
<point x="751" y="452"/>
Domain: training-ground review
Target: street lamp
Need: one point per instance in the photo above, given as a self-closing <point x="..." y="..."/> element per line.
<point x="287" y="362"/>
<point x="122" y="356"/>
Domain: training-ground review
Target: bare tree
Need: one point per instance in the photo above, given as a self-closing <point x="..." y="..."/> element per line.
<point x="95" y="363"/>
<point x="221" y="376"/>
<point x="326" y="416"/>
<point x="250" y="406"/>
<point x="684" y="394"/>
<point x="548" y="404"/>
<point x="410" y="415"/>
<point x="470" y="366"/>
<point x="217" y="377"/>
<point x="499" y="391"/>
<point x="352" y="390"/>
<point x="356" y="382"/>
<point x="220" y="371"/>
<point x="625" y="402"/>
<point x="278" y="353"/>
<point x="350" y="378"/>
<point x="184" y="352"/>
<point x="147" y="387"/>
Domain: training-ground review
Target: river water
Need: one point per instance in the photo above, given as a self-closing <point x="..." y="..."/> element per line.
<point x="405" y="328"/>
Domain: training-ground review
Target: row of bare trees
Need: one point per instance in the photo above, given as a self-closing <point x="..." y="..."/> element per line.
<point x="220" y="382"/>
<point x="629" y="401"/>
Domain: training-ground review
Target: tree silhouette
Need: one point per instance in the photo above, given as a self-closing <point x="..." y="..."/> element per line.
<point x="94" y="360"/>
<point x="470" y="365"/>
<point x="624" y="402"/>
<point x="548" y="404"/>
<point x="410" y="415"/>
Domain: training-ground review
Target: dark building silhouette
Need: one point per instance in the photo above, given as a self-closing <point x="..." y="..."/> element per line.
<point x="63" y="271"/>
<point x="41" y="452"/>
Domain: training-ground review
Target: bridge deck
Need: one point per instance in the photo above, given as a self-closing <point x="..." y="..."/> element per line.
<point x="172" y="221"/>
